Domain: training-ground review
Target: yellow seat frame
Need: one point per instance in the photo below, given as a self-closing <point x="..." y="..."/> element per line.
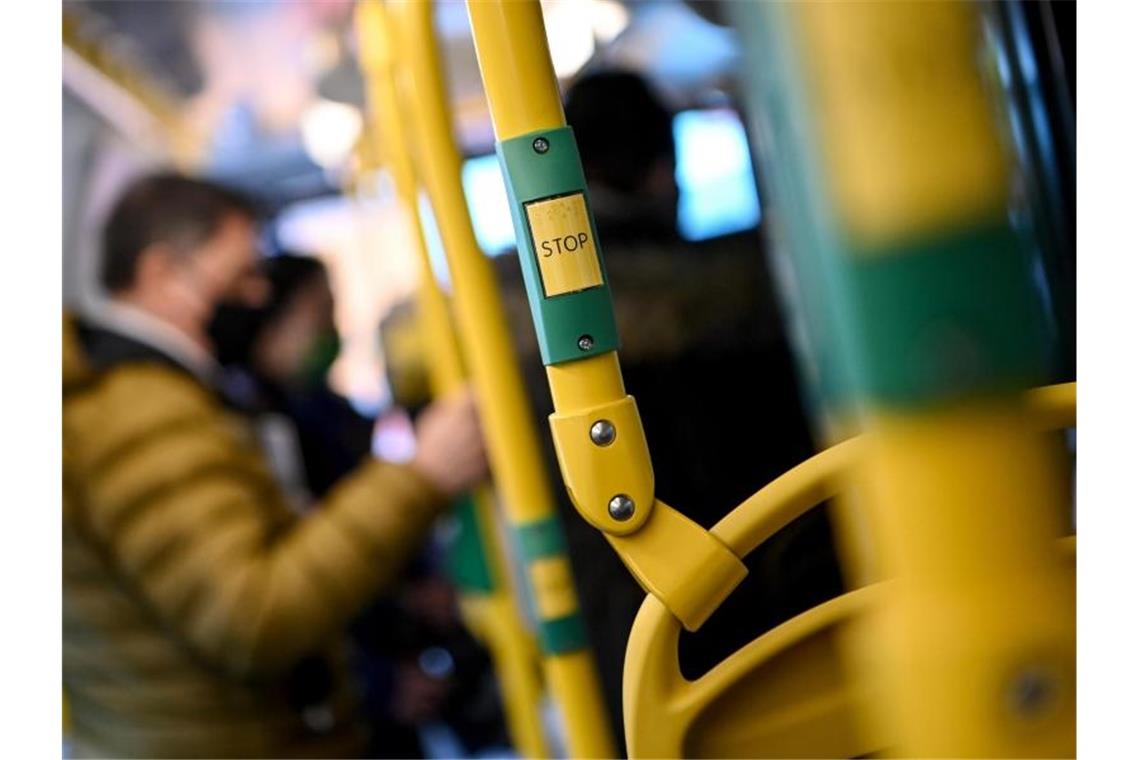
<point x="790" y="692"/>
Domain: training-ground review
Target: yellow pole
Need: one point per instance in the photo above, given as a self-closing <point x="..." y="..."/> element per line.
<point x="596" y="427"/>
<point x="518" y="76"/>
<point x="522" y="92"/>
<point x="972" y="643"/>
<point x="495" y="617"/>
<point x="512" y="443"/>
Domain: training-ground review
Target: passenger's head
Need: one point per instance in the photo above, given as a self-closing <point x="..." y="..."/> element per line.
<point x="624" y="133"/>
<point x="290" y="338"/>
<point x="178" y="247"/>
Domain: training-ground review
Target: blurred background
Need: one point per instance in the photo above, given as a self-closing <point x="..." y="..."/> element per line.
<point x="268" y="97"/>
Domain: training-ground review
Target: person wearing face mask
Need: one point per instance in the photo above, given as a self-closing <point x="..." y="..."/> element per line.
<point x="192" y="592"/>
<point x="276" y="356"/>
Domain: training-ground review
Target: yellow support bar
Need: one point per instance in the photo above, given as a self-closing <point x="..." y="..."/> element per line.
<point x="495" y="618"/>
<point x="518" y="76"/>
<point x="972" y="649"/>
<point x="961" y="504"/>
<point x="611" y="483"/>
<point x="513" y="446"/>
<point x="377" y="58"/>
<point x="789" y="693"/>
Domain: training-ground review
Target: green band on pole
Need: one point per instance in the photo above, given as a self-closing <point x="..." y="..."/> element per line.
<point x="562" y="635"/>
<point x="572" y="325"/>
<point x="466" y="558"/>
<point x="945" y="316"/>
<point x="957" y="312"/>
<point x="541" y="538"/>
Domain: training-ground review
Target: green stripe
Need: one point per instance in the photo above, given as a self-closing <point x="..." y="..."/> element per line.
<point x="537" y="540"/>
<point x="949" y="315"/>
<point x="541" y="538"/>
<point x="562" y="635"/>
<point x="466" y="560"/>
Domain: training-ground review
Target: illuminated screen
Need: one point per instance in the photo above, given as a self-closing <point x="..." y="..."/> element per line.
<point x="714" y="175"/>
<point x="488" y="204"/>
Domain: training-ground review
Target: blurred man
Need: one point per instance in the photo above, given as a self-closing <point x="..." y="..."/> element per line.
<point x="199" y="613"/>
<point x="277" y="356"/>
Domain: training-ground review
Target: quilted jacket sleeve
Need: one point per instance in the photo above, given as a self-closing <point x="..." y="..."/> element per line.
<point x="187" y="512"/>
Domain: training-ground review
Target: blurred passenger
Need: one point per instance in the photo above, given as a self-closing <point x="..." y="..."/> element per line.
<point x="201" y="616"/>
<point x="276" y="356"/>
<point x="704" y="353"/>
<point x="625" y="137"/>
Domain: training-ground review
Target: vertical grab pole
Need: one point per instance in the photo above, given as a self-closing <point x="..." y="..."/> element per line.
<point x="512" y="443"/>
<point x="488" y="603"/>
<point x="888" y="162"/>
<point x="596" y="427"/>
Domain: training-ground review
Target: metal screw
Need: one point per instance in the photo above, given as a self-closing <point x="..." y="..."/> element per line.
<point x="586" y="342"/>
<point x="621" y="507"/>
<point x="1032" y="692"/>
<point x="603" y="432"/>
<point x="540" y="145"/>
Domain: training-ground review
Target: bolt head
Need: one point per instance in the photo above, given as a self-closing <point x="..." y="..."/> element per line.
<point x="1033" y="691"/>
<point x="586" y="342"/>
<point x="621" y="507"/>
<point x="603" y="433"/>
<point x="540" y="145"/>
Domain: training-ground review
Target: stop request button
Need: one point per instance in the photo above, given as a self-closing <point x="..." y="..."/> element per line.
<point x="564" y="244"/>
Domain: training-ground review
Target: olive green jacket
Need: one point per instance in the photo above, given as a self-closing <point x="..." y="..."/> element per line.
<point x="191" y="592"/>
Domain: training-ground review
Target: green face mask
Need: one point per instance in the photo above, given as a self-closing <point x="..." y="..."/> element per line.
<point x="315" y="366"/>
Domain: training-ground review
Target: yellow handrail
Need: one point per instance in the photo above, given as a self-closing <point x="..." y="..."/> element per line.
<point x="494" y="617"/>
<point x="654" y="540"/>
<point x="512" y="443"/>
<point x="958" y="502"/>
<point x="518" y="77"/>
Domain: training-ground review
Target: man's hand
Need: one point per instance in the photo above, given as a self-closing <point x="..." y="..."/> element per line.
<point x="449" y="444"/>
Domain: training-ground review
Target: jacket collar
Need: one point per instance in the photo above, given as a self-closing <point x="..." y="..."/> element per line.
<point x="154" y="336"/>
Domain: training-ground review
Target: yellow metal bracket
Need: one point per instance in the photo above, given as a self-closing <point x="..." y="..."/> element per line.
<point x="685" y="566"/>
<point x="603" y="457"/>
<point x="606" y="467"/>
